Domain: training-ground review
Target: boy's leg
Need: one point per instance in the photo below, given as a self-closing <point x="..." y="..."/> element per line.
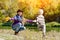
<point x="40" y="27"/>
<point x="44" y="30"/>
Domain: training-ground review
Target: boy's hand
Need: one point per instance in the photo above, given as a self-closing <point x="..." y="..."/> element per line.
<point x="34" y="20"/>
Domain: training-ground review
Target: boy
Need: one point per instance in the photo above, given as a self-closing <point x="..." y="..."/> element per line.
<point x="41" y="21"/>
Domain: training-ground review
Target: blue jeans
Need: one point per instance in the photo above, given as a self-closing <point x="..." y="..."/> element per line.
<point x="18" y="27"/>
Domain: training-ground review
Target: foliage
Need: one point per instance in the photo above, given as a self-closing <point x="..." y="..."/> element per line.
<point x="30" y="8"/>
<point x="53" y="26"/>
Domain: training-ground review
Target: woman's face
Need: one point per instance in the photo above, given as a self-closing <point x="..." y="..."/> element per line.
<point x="20" y="13"/>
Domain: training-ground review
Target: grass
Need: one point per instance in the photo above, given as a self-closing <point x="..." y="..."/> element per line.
<point x="53" y="26"/>
<point x="28" y="35"/>
<point x="31" y="33"/>
<point x="5" y="27"/>
<point x="49" y="26"/>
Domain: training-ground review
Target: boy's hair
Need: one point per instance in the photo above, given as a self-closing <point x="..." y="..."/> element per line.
<point x="19" y="11"/>
<point x="41" y="11"/>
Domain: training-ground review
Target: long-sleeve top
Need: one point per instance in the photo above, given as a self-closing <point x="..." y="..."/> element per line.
<point x="17" y="19"/>
<point x="41" y="20"/>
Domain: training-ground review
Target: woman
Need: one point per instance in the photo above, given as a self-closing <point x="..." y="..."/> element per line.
<point x="18" y="22"/>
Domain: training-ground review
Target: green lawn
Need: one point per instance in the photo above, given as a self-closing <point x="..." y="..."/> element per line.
<point x="49" y="26"/>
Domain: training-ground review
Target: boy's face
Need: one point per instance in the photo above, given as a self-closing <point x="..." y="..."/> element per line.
<point x="20" y="13"/>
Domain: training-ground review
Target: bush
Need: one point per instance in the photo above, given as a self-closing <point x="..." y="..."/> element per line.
<point x="53" y="26"/>
<point x="8" y="23"/>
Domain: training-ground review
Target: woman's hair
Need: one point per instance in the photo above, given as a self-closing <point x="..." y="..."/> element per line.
<point x="19" y="11"/>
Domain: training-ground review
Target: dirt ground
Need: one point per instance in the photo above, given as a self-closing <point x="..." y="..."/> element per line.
<point x="6" y="34"/>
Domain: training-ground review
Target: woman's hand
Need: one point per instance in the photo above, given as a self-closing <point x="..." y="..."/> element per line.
<point x="7" y="18"/>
